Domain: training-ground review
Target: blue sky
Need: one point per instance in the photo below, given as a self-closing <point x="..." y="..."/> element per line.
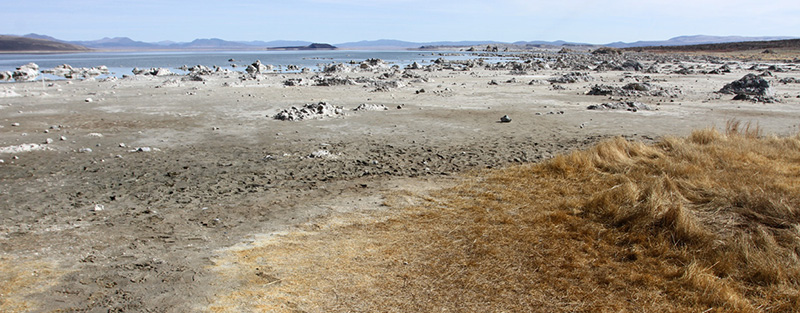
<point x="338" y="21"/>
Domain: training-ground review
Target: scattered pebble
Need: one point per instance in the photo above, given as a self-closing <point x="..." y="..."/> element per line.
<point x="85" y="150"/>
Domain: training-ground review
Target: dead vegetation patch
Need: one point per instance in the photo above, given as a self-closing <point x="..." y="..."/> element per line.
<point x="21" y="280"/>
<point x="707" y="223"/>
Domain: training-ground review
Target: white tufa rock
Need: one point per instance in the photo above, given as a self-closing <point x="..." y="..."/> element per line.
<point x="370" y="107"/>
<point x="309" y="111"/>
<point x="320" y="154"/>
<point x="25" y="147"/>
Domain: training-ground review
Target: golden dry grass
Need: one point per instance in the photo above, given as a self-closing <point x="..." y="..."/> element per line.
<point x="777" y="55"/>
<point x="696" y="224"/>
<point x="21" y="279"/>
<point x="780" y="54"/>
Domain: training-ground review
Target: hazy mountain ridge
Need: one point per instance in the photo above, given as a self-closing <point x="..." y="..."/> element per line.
<point x="695" y="40"/>
<point x="125" y="43"/>
<point x="17" y="43"/>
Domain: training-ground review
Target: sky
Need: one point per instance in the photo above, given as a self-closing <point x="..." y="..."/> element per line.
<point x="339" y="21"/>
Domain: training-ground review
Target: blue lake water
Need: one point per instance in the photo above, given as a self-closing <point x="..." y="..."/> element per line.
<point x="121" y="63"/>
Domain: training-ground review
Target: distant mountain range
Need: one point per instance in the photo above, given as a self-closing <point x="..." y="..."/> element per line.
<point x="694" y="40"/>
<point x="23" y="44"/>
<point x="127" y="44"/>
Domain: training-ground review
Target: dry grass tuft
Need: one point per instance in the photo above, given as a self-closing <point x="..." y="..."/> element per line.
<point x="704" y="223"/>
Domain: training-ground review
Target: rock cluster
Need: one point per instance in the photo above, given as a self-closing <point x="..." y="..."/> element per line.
<point x="624" y="105"/>
<point x="633" y="90"/>
<point x="571" y="78"/>
<point x="373" y="64"/>
<point x="719" y="71"/>
<point x="789" y="80"/>
<point x="370" y="107"/>
<point x="607" y="50"/>
<point x="67" y="71"/>
<point x="309" y="111"/>
<point x="200" y="70"/>
<point x="296" y="82"/>
<point x="258" y="68"/>
<point x="26" y="147"/>
<point x="332" y="81"/>
<point x="26" y="72"/>
<point x="153" y="71"/>
<point x="750" y="87"/>
<point x="386" y="85"/>
<point x="337" y="68"/>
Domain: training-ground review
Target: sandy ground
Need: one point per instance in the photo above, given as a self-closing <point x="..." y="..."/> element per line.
<point x="124" y="229"/>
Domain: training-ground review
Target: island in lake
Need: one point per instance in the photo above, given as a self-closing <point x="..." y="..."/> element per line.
<point x="313" y="46"/>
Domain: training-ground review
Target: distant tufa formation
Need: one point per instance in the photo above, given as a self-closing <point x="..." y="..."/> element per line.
<point x="751" y="87"/>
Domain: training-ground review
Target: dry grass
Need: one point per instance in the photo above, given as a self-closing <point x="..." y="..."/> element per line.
<point x="21" y="279"/>
<point x="759" y="55"/>
<point x="777" y="55"/>
<point x="708" y="222"/>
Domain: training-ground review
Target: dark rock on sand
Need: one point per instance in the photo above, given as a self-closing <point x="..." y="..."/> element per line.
<point x="607" y="51"/>
<point x="631" y="65"/>
<point x="626" y="105"/>
<point x="571" y="78"/>
<point x="789" y="80"/>
<point x="633" y="90"/>
<point x="750" y="87"/>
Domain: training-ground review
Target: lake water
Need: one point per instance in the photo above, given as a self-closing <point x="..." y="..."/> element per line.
<point x="121" y="63"/>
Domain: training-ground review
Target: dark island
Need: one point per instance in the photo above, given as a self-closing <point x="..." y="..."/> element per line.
<point x="17" y="44"/>
<point x="313" y="46"/>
